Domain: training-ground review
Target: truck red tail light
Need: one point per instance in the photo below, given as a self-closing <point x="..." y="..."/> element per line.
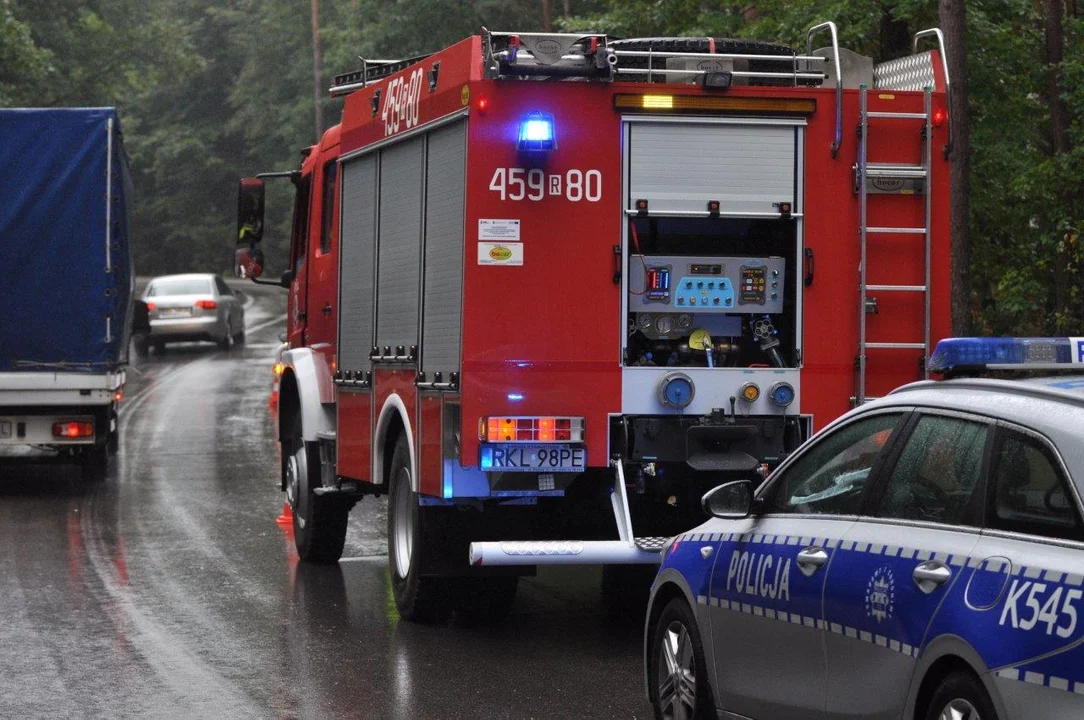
<point x="531" y="429"/>
<point x="75" y="429"/>
<point x="206" y="304"/>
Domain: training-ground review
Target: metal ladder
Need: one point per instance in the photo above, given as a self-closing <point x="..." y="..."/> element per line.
<point x="864" y="171"/>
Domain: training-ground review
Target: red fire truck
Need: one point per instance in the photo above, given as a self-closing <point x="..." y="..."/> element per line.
<point x="547" y="290"/>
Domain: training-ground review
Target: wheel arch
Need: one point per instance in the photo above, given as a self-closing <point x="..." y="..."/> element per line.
<point x="942" y="657"/>
<point x="392" y="422"/>
<point x="300" y="391"/>
<point x="668" y="585"/>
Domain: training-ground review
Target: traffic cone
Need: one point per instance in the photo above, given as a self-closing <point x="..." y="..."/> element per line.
<point x="287" y="516"/>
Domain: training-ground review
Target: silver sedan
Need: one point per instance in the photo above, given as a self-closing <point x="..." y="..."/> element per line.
<point x="193" y="307"/>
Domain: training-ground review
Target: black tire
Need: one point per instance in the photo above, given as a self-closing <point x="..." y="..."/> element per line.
<point x="140" y="345"/>
<point x="960" y="694"/>
<point x="239" y="338"/>
<point x="485" y="600"/>
<point x="418" y="598"/>
<point x="625" y="591"/>
<point x="226" y="341"/>
<point x="159" y="347"/>
<point x="675" y="636"/>
<point x="94" y="463"/>
<point x="319" y="523"/>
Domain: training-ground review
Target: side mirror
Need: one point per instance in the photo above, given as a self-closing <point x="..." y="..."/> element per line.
<point x="286" y="279"/>
<point x="250" y="212"/>
<point x="729" y="501"/>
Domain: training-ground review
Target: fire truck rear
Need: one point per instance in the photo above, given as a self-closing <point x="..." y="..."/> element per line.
<point x="547" y="290"/>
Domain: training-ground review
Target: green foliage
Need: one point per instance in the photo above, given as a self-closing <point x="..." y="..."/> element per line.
<point x="210" y="92"/>
<point x="23" y="65"/>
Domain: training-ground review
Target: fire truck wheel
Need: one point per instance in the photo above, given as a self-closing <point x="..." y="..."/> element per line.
<point x="625" y="591"/>
<point x="420" y="598"/>
<point x="319" y="525"/>
<point x="485" y="600"/>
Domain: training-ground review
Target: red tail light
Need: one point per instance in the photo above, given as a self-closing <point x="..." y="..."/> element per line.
<point x="206" y="304"/>
<point x="73" y="429"/>
<point x="151" y="307"/>
<point x="939" y="116"/>
<point x="530" y="429"/>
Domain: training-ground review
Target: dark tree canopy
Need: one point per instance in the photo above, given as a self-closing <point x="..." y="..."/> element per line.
<point x="212" y="91"/>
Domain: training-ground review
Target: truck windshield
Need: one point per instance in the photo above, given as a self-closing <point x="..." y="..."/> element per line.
<point x="180" y="286"/>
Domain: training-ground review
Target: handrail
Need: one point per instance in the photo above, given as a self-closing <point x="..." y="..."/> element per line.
<point x="831" y="26"/>
<point x="936" y="32"/>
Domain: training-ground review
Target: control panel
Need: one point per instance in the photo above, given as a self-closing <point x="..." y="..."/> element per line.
<point x="706" y="284"/>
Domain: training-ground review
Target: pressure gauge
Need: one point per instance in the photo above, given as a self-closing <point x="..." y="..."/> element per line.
<point x="664" y="324"/>
<point x="676" y="391"/>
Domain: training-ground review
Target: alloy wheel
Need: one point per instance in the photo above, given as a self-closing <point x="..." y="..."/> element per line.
<point x="677" y="673"/>
<point x="959" y="709"/>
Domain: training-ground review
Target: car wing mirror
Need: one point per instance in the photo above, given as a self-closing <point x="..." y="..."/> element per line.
<point x="250" y="203"/>
<point x="729" y="501"/>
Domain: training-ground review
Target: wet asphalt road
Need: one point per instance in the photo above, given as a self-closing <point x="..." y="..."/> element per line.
<point x="169" y="590"/>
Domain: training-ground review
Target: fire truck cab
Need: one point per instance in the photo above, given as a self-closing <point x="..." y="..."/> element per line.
<point x="545" y="291"/>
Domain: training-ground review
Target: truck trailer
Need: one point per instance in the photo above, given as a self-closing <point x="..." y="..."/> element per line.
<point x="546" y="290"/>
<point x="67" y="285"/>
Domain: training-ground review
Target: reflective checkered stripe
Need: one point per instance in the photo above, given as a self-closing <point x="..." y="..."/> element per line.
<point x="1034" y="678"/>
<point x="809" y="622"/>
<point x="894" y="644"/>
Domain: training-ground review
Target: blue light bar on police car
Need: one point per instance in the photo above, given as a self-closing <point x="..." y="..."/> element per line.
<point x="536" y="132"/>
<point x="961" y="354"/>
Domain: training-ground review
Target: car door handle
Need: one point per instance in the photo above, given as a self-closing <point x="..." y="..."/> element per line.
<point x="327" y="309"/>
<point x="931" y="575"/>
<point x="811" y="559"/>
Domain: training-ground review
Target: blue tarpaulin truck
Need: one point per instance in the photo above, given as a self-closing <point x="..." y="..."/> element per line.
<point x="66" y="283"/>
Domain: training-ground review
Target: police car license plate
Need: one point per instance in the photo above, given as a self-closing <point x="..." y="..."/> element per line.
<point x="5" y="428"/>
<point x="513" y="457"/>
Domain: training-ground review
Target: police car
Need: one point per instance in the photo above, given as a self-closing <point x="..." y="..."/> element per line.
<point x="921" y="557"/>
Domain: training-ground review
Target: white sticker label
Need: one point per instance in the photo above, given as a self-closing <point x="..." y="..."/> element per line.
<point x="506" y="230"/>
<point x="491" y="253"/>
<point x="1076" y="349"/>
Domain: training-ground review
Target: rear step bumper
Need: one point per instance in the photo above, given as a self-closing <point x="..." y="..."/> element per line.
<point x="645" y="551"/>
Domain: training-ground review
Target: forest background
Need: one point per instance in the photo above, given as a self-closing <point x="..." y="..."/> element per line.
<point x="211" y="91"/>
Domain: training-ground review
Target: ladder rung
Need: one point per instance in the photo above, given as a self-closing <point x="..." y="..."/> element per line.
<point x="897" y="288"/>
<point x="886" y="170"/>
<point x="897" y="115"/>
<point x="895" y="346"/>
<point x="896" y="230"/>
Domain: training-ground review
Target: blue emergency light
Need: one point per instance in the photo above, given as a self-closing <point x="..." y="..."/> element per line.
<point x="536" y="133"/>
<point x="955" y="355"/>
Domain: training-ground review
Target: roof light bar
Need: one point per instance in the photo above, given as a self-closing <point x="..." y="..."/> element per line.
<point x="714" y="103"/>
<point x="955" y="355"/>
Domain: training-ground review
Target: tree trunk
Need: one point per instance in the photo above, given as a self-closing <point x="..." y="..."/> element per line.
<point x="1060" y="144"/>
<point x="547" y="25"/>
<point x="954" y="23"/>
<point x="317" y="70"/>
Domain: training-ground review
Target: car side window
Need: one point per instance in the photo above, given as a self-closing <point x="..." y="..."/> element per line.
<point x="1028" y="492"/>
<point x="937" y="472"/>
<point x="331" y="174"/>
<point x="223" y="288"/>
<point x="831" y="476"/>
